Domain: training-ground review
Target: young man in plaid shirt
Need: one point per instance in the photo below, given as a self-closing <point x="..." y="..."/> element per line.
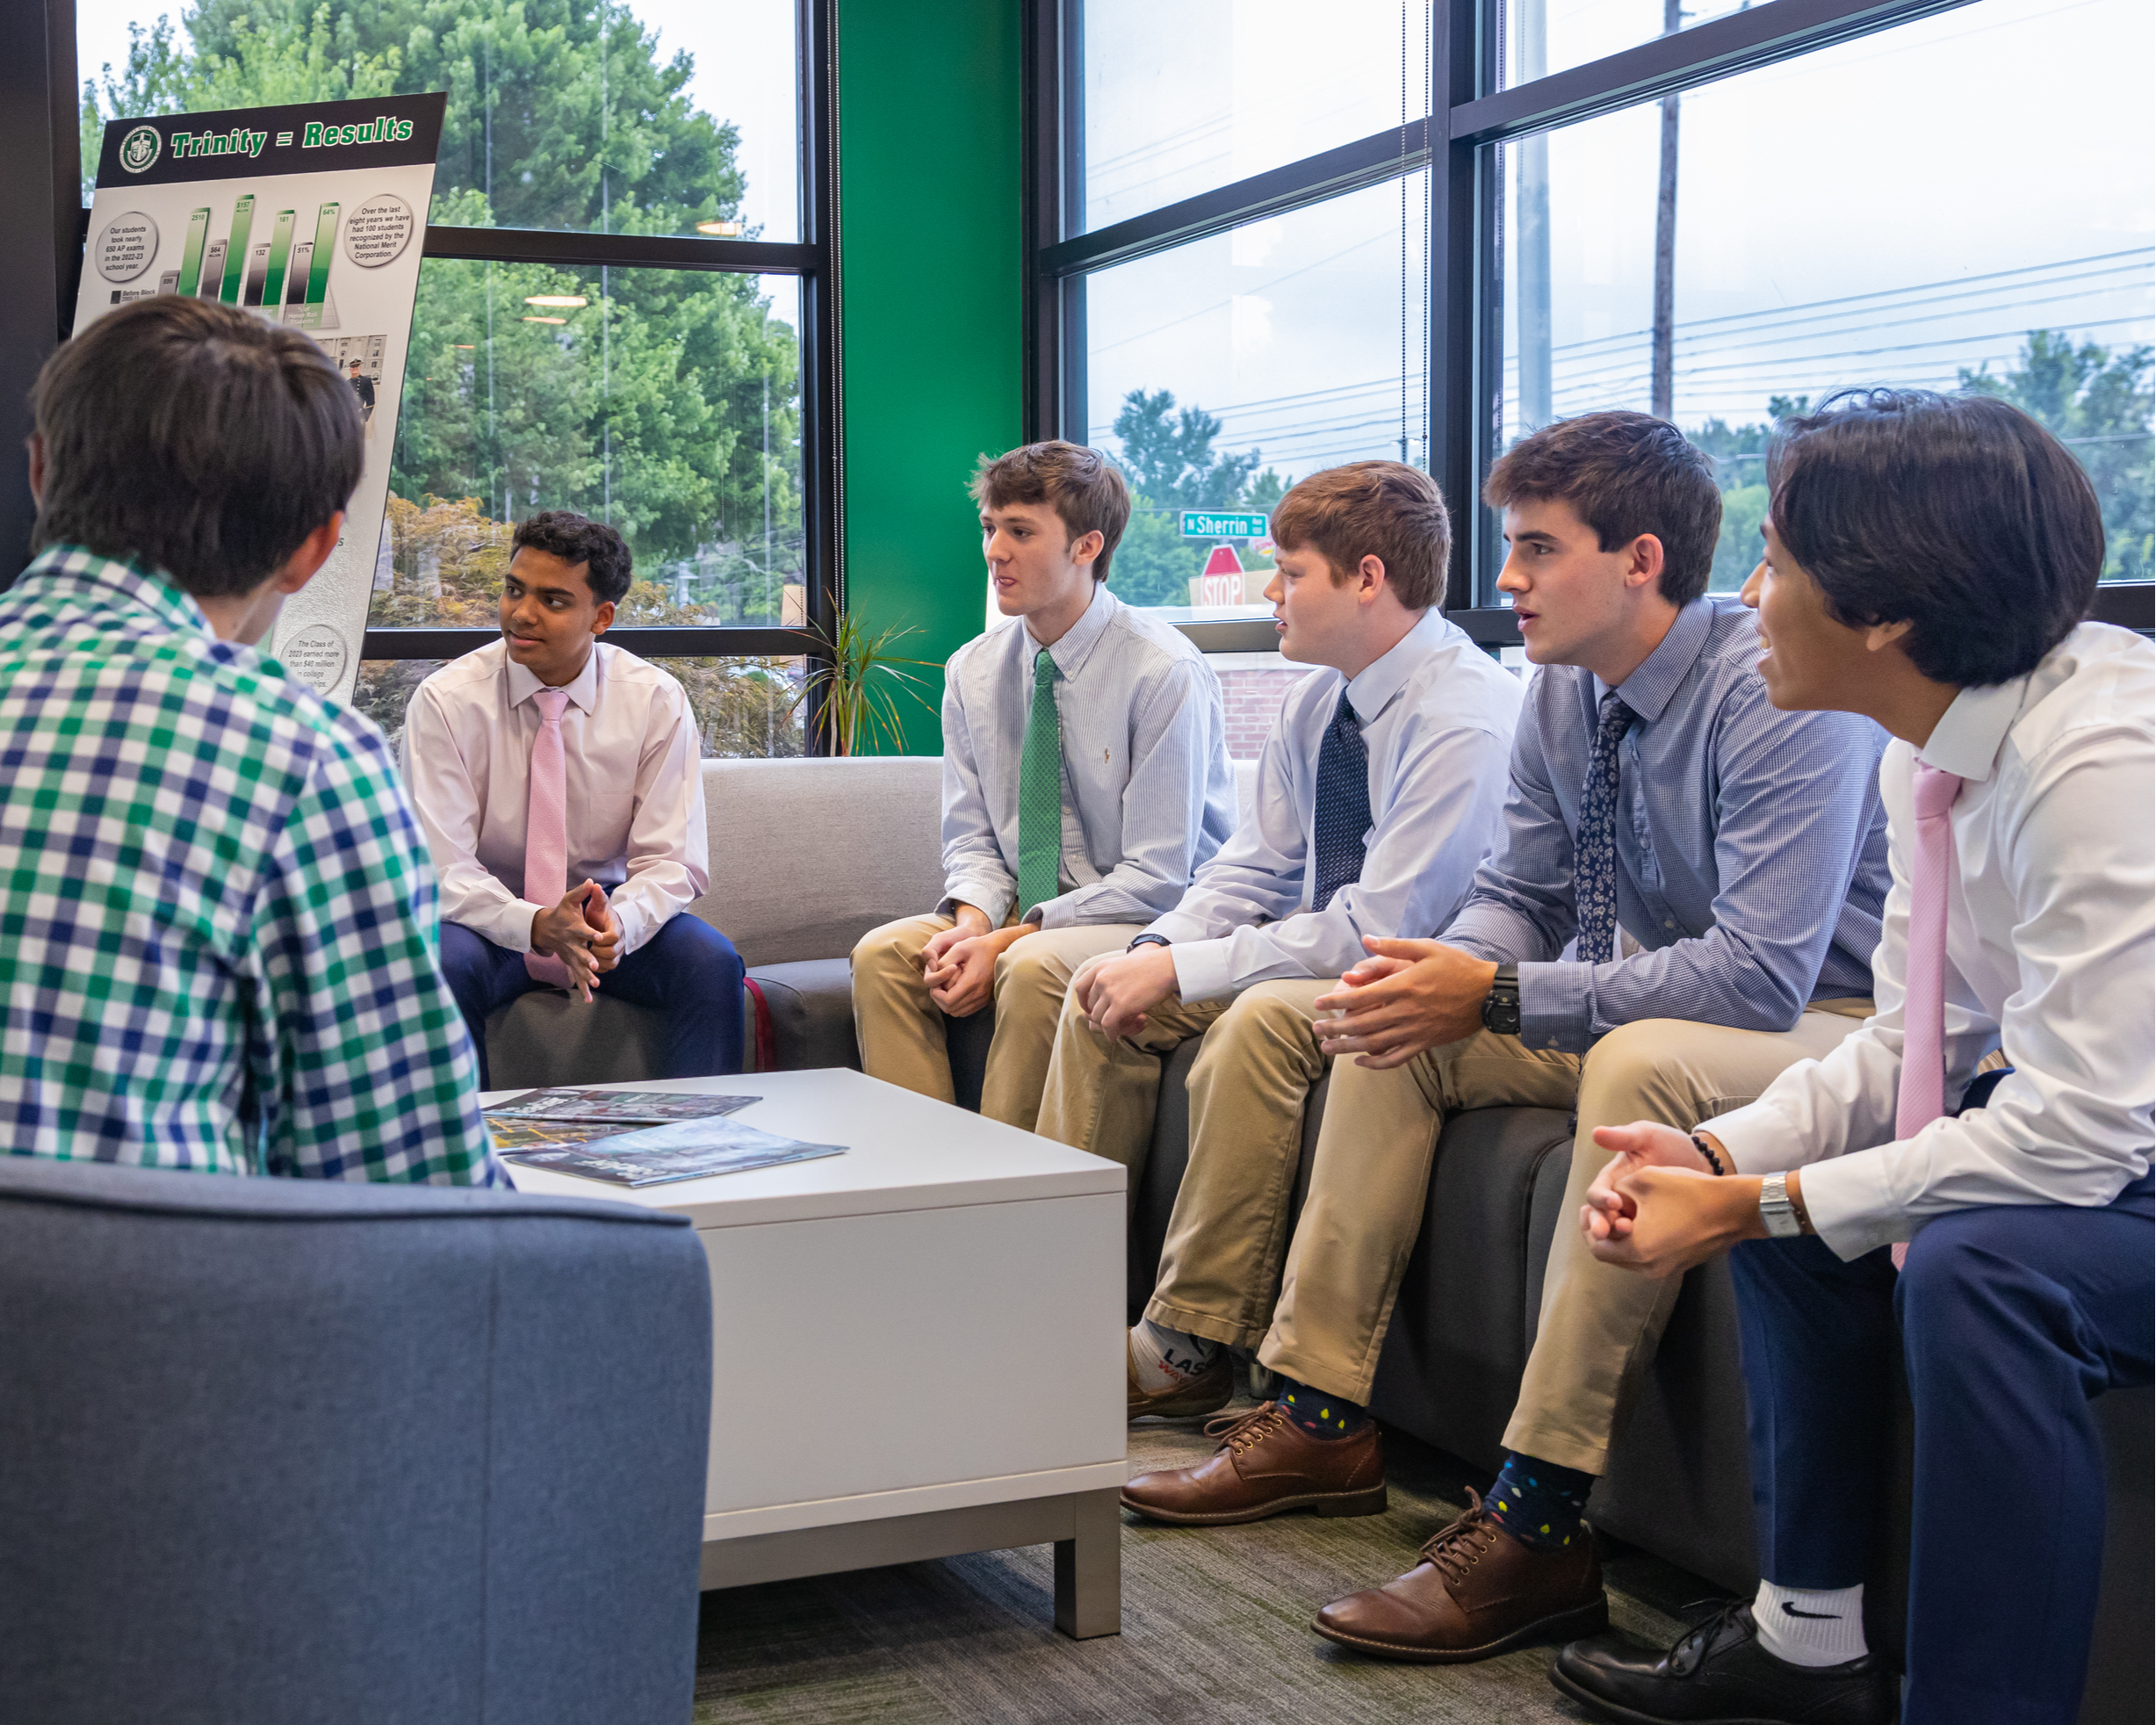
<point x="217" y="935"/>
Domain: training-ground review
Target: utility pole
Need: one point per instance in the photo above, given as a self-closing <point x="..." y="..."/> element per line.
<point x="1661" y="385"/>
<point x="1537" y="407"/>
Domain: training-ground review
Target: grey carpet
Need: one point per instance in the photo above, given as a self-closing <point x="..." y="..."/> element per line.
<point x="1215" y="1626"/>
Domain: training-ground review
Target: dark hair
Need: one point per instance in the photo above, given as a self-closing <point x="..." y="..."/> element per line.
<point x="1959" y="514"/>
<point x="1081" y="484"/>
<point x="576" y="538"/>
<point x="1384" y="509"/>
<point x="194" y="436"/>
<point x="1624" y="474"/>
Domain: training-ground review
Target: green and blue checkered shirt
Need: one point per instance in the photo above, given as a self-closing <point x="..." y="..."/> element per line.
<point x="219" y="935"/>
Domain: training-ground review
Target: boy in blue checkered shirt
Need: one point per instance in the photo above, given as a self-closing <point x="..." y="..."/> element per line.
<point x="218" y="927"/>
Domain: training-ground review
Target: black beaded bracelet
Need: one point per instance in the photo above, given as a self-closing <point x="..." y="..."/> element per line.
<point x="1707" y="1151"/>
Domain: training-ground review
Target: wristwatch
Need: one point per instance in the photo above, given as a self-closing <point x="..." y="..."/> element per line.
<point x="1776" y="1210"/>
<point x="1501" y="1008"/>
<point x="1146" y="939"/>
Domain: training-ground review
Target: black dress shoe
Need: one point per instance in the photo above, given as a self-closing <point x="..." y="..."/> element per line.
<point x="1717" y="1674"/>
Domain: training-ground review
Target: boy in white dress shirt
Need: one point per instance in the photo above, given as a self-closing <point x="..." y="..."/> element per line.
<point x="1085" y="778"/>
<point x="1928" y="563"/>
<point x="558" y="780"/>
<point x="1380" y="791"/>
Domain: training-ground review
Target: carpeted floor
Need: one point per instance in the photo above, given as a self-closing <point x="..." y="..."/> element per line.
<point x="1215" y="1626"/>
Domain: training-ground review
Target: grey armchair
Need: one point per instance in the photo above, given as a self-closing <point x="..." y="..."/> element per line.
<point x="279" y="1451"/>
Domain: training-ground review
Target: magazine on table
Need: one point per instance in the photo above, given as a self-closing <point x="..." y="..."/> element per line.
<point x="617" y="1108"/>
<point x="680" y="1150"/>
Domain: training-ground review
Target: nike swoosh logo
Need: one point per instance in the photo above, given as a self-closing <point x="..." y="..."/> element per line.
<point x="1822" y="1616"/>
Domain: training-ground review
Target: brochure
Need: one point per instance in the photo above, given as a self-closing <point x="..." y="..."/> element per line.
<point x="683" y="1149"/>
<point x="615" y="1107"/>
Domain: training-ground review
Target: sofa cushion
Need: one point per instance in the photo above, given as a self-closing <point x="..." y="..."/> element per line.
<point x="811" y="1004"/>
<point x="808" y="856"/>
<point x="550" y="1036"/>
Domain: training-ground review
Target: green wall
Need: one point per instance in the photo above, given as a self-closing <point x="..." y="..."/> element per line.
<point x="933" y="301"/>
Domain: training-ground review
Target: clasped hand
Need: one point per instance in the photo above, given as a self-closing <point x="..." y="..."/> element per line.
<point x="1657" y="1208"/>
<point x="1406" y="997"/>
<point x="959" y="963"/>
<point x="580" y="931"/>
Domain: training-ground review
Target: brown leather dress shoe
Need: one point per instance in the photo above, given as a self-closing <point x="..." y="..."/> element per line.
<point x="1208" y="1392"/>
<point x="1477" y="1591"/>
<point x="1266" y="1463"/>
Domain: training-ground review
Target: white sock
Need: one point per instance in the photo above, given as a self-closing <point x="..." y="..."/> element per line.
<point x="1165" y="1358"/>
<point x="1811" y="1625"/>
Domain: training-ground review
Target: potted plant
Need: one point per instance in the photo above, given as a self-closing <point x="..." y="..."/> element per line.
<point x="856" y="687"/>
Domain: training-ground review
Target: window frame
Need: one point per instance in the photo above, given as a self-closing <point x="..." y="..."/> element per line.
<point x="1467" y="112"/>
<point x="813" y="260"/>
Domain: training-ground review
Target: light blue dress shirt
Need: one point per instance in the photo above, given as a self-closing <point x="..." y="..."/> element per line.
<point x="1147" y="792"/>
<point x="1437" y="716"/>
<point x="1751" y="846"/>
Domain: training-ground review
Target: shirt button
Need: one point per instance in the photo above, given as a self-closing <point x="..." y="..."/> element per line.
<point x="1668" y="922"/>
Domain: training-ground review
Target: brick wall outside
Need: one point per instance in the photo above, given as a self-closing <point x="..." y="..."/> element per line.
<point x="1254" y="700"/>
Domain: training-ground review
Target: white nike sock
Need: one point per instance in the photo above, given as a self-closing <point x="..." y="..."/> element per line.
<point x="1165" y="1358"/>
<point x="1811" y="1625"/>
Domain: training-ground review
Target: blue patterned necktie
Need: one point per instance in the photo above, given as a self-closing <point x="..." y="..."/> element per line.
<point x="1593" y="852"/>
<point x="1342" y="813"/>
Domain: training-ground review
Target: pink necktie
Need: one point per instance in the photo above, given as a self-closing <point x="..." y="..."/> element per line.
<point x="1923" y="1008"/>
<point x="546" y="826"/>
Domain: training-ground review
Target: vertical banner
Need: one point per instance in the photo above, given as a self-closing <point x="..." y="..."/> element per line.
<point x="310" y="216"/>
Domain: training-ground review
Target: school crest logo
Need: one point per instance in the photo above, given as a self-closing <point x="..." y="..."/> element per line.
<point x="140" y="149"/>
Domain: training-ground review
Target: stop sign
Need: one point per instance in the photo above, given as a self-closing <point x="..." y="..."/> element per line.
<point x="1223" y="561"/>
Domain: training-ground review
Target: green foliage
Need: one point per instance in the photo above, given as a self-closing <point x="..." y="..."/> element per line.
<point x="858" y="683"/>
<point x="1169" y="457"/>
<point x="2099" y="403"/>
<point x="651" y="406"/>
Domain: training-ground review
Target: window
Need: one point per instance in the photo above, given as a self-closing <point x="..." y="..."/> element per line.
<point x="1851" y="203"/>
<point x="621" y="310"/>
<point x="1800" y="263"/>
<point x="1223" y="371"/>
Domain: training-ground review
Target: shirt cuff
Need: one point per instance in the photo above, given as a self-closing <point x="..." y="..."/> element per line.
<point x="1758" y="1138"/>
<point x="1202" y="970"/>
<point x="1552" y="1006"/>
<point x="1851" y="1203"/>
<point x="991" y="897"/>
<point x="507" y="925"/>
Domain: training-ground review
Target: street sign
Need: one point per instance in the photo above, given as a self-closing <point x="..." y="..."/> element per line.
<point x="1223" y="562"/>
<point x="1224" y="524"/>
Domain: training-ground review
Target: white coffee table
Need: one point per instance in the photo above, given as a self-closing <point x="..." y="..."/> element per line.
<point x="918" y="1346"/>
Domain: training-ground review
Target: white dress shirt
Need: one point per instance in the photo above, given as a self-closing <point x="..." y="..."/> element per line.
<point x="2051" y="930"/>
<point x="1148" y="793"/>
<point x="635" y="789"/>
<point x="1436" y="715"/>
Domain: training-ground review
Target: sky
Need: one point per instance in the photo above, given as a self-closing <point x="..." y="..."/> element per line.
<point x="1889" y="210"/>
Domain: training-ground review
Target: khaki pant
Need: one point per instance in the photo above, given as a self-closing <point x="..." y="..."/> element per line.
<point x="902" y="1031"/>
<point x="1370" y="1180"/>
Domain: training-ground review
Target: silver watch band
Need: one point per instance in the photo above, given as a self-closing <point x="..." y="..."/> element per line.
<point x="1775" y="1210"/>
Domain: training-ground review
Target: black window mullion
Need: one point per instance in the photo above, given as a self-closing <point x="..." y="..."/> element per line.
<point x="630" y="251"/>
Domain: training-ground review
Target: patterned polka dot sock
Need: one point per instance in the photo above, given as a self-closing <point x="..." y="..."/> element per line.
<point x="1538" y="1503"/>
<point x="1320" y="1415"/>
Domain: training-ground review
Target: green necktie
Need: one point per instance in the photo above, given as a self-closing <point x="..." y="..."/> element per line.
<point x="1039" y="792"/>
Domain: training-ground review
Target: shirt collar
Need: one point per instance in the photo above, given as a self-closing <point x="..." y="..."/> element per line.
<point x="1370" y="689"/>
<point x="1077" y="643"/>
<point x="582" y="689"/>
<point x="1658" y="676"/>
<point x="132" y="582"/>
<point x="1970" y="733"/>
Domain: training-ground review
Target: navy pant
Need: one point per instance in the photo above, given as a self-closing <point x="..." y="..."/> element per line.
<point x="2009" y="1320"/>
<point x="688" y="970"/>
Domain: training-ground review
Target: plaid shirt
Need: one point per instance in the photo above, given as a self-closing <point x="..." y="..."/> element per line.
<point x="218" y="938"/>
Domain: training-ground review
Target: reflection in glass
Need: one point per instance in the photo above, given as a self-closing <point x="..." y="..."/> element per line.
<point x="745" y="708"/>
<point x="666" y="402"/>
<point x="651" y="116"/>
<point x="1916" y="241"/>
<point x="1181" y="98"/>
<point x="1221" y="372"/>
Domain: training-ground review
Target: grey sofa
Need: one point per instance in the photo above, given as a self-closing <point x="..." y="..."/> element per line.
<point x="282" y="1450"/>
<point x="829" y="849"/>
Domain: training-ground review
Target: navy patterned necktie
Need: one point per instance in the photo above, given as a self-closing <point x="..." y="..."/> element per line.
<point x="1342" y="814"/>
<point x="1593" y="852"/>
